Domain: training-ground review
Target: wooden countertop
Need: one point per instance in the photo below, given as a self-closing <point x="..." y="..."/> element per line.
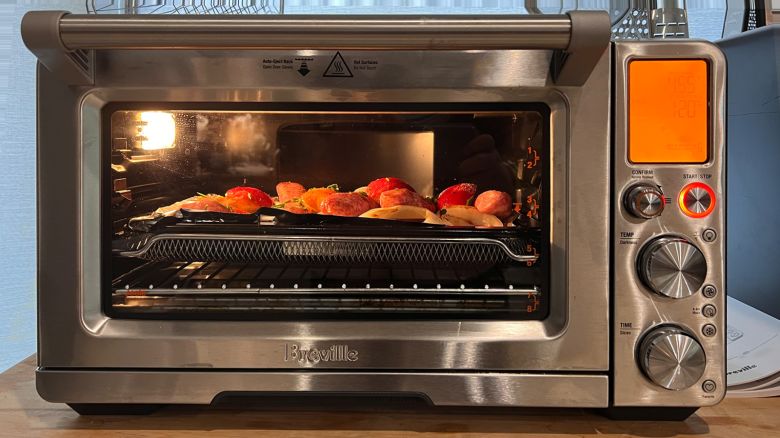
<point x="24" y="414"/>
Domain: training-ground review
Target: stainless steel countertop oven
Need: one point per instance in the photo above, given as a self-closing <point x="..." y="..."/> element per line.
<point x="597" y="283"/>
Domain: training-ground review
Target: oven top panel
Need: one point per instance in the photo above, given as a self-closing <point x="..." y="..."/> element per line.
<point x="322" y="69"/>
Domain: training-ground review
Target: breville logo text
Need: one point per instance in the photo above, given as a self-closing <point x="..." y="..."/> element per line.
<point x="335" y="353"/>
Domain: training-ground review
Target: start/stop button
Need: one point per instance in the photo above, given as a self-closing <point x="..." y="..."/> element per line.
<point x="697" y="200"/>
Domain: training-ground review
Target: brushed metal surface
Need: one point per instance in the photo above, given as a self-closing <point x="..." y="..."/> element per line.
<point x="672" y="267"/>
<point x="65" y="43"/>
<point x="672" y="358"/>
<point x="636" y="308"/>
<point x="441" y="389"/>
<point x="315" y="32"/>
<point x="240" y="76"/>
<point x="74" y="332"/>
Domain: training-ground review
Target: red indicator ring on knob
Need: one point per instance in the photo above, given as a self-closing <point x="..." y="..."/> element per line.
<point x="697" y="200"/>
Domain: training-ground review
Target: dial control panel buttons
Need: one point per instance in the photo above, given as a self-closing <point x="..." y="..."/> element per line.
<point x="709" y="311"/>
<point x="671" y="358"/>
<point x="709" y="330"/>
<point x="697" y="200"/>
<point x="709" y="386"/>
<point x="709" y="235"/>
<point x="672" y="266"/>
<point x="709" y="291"/>
<point x="644" y="201"/>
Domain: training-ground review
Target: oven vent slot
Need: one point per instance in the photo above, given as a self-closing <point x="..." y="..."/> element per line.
<point x="81" y="58"/>
<point x="329" y="250"/>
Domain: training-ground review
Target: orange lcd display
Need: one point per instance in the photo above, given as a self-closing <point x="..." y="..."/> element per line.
<point x="667" y="111"/>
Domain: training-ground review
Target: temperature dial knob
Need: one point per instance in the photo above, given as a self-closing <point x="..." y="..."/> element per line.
<point x="644" y="201"/>
<point x="671" y="358"/>
<point x="672" y="266"/>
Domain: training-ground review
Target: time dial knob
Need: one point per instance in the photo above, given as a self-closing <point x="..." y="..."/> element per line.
<point x="671" y="358"/>
<point x="644" y="201"/>
<point x="672" y="266"/>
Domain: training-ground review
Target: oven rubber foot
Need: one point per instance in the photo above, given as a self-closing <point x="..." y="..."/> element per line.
<point x="113" y="408"/>
<point x="648" y="414"/>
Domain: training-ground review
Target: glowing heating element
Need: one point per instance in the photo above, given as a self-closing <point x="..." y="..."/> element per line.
<point x="667" y="111"/>
<point x="157" y="130"/>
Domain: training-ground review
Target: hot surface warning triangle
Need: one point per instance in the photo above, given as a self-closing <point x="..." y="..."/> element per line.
<point x="337" y="68"/>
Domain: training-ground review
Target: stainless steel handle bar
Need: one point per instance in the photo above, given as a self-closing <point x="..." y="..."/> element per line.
<point x="315" y="32"/>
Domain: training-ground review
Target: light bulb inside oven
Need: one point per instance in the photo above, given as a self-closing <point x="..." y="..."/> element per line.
<point x="156" y="130"/>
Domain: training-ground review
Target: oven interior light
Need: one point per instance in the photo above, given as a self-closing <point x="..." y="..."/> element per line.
<point x="156" y="130"/>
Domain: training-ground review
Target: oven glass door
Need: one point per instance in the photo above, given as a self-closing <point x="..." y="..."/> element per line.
<point x="338" y="211"/>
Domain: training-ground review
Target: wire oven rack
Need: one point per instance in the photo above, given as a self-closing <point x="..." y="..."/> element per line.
<point x="206" y="277"/>
<point x="218" y="289"/>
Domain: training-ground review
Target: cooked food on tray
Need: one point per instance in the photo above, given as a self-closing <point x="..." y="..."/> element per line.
<point x="240" y="200"/>
<point x="375" y="188"/>
<point x="213" y="203"/>
<point x="459" y="194"/>
<point x="391" y="198"/>
<point x="346" y="204"/>
<point x="384" y="198"/>
<point x="246" y="200"/>
<point x="312" y="198"/>
<point x="466" y="215"/>
<point x="288" y="191"/>
<point x="494" y="202"/>
<point x="405" y="213"/>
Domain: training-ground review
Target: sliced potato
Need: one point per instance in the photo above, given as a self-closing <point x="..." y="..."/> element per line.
<point x="454" y="221"/>
<point x="174" y="209"/>
<point x="457" y="214"/>
<point x="404" y="213"/>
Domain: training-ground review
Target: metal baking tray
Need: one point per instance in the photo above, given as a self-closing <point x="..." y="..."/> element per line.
<point x="323" y="240"/>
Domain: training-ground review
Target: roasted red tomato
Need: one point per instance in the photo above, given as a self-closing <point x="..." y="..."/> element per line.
<point x="378" y="186"/>
<point x="459" y="194"/>
<point x="247" y="199"/>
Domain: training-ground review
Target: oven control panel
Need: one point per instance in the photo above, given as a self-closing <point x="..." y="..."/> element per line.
<point x="668" y="225"/>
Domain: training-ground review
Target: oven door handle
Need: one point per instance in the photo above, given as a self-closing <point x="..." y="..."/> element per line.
<point x="62" y="40"/>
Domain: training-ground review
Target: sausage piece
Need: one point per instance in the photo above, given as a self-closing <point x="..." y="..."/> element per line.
<point x="289" y="190"/>
<point x="345" y="204"/>
<point x="391" y="198"/>
<point x="494" y="202"/>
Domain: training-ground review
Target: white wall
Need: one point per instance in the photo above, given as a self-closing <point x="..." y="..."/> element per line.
<point x="17" y="182"/>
